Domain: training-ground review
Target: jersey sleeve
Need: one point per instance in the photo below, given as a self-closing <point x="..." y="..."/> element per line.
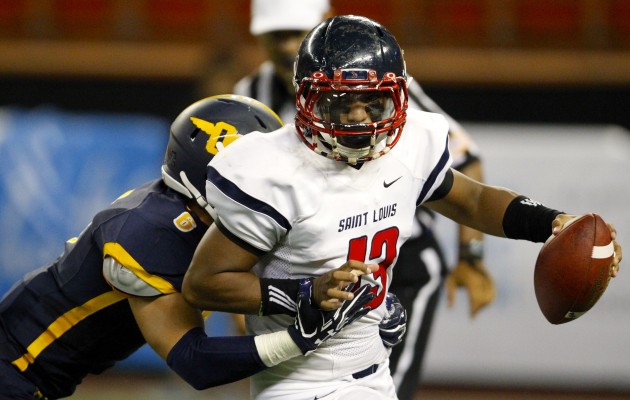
<point x="257" y="186"/>
<point x="150" y="247"/>
<point x="251" y="193"/>
<point x="434" y="161"/>
<point x="254" y="223"/>
<point x="126" y="281"/>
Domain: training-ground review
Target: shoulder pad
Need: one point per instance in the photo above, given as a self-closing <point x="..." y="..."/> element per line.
<point x="126" y="281"/>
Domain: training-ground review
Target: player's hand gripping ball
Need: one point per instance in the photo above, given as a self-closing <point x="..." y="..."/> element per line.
<point x="573" y="269"/>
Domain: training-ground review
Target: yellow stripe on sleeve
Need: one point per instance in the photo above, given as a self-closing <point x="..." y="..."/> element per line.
<point x="116" y="251"/>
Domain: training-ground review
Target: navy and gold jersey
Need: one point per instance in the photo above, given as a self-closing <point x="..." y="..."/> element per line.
<point x="63" y="321"/>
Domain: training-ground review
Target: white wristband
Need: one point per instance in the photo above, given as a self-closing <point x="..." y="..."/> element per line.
<point x="274" y="348"/>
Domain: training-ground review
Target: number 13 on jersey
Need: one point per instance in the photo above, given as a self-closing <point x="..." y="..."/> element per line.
<point x="382" y="246"/>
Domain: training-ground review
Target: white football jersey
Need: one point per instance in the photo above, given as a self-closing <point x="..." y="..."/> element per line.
<point x="309" y="214"/>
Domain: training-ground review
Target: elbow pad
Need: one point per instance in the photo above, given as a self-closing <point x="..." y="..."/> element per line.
<point x="205" y="362"/>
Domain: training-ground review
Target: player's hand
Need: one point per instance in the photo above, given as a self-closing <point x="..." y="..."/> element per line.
<point x="329" y="290"/>
<point x="394" y="325"/>
<point x="563" y="220"/>
<point x="312" y="326"/>
<point x="617" y="258"/>
<point x="477" y="282"/>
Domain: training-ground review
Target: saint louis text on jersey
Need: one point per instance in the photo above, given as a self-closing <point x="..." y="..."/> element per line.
<point x="358" y="220"/>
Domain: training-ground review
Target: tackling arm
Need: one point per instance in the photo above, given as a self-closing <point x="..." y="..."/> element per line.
<point x="175" y="331"/>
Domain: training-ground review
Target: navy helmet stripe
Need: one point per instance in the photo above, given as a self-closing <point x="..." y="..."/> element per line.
<point x="235" y="193"/>
<point x="434" y="174"/>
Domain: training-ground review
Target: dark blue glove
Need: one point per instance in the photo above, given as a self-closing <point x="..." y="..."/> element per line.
<point x="312" y="326"/>
<point x="393" y="326"/>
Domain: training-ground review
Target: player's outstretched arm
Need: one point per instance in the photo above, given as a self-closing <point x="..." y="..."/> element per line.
<point x="175" y="331"/>
<point x="501" y="212"/>
<point x="474" y="204"/>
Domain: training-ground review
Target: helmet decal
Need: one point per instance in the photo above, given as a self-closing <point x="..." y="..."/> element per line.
<point x="220" y="134"/>
<point x="203" y="129"/>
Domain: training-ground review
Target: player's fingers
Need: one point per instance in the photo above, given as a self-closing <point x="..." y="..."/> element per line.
<point x="339" y="294"/>
<point x="474" y="308"/>
<point x="614" y="269"/>
<point x="617" y="256"/>
<point x="489" y="290"/>
<point x="450" y="290"/>
<point x="613" y="231"/>
<point x="480" y="293"/>
<point x="349" y="273"/>
<point x="330" y="305"/>
<point x="475" y="294"/>
<point x="492" y="295"/>
<point x="358" y="267"/>
<point x="343" y="278"/>
<point x="483" y="297"/>
<point x="482" y="301"/>
<point x="561" y="221"/>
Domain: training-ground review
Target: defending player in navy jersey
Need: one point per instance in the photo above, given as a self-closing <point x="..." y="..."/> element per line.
<point x="340" y="186"/>
<point x="279" y="27"/>
<point x="117" y="286"/>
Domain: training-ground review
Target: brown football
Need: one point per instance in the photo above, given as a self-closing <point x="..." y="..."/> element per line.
<point x="573" y="269"/>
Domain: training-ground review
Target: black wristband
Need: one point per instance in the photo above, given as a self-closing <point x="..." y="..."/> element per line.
<point x="279" y="296"/>
<point x="528" y="219"/>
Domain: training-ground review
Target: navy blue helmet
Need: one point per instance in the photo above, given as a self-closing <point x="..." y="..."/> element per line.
<point x="343" y="61"/>
<point x="202" y="130"/>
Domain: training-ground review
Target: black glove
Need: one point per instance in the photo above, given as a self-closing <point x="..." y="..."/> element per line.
<point x="393" y="326"/>
<point x="312" y="326"/>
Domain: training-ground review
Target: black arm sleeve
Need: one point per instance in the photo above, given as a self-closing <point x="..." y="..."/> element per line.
<point x="205" y="362"/>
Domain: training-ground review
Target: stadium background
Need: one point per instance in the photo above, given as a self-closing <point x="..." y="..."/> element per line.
<point x="89" y="88"/>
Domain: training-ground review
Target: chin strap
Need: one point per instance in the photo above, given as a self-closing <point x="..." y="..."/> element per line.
<point x="174" y="184"/>
<point x="201" y="200"/>
<point x="188" y="190"/>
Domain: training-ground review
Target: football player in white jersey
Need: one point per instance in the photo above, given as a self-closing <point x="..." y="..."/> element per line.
<point x="279" y="26"/>
<point x="340" y="187"/>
